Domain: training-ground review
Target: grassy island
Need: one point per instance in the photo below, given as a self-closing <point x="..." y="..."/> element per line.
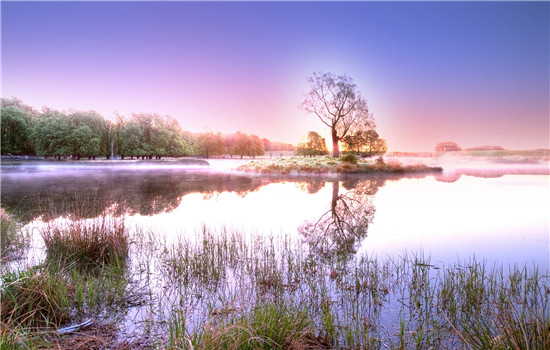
<point x="347" y="164"/>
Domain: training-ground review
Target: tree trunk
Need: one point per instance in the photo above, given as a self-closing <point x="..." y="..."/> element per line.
<point x="335" y="196"/>
<point x="335" y="147"/>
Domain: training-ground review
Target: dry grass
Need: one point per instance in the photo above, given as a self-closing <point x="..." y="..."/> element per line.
<point x="97" y="336"/>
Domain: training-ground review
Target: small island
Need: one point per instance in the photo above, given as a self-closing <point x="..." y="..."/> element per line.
<point x="347" y="164"/>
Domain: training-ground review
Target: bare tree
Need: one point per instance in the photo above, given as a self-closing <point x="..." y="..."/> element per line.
<point x="337" y="102"/>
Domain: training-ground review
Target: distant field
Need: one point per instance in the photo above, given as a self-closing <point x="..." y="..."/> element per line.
<point x="543" y="154"/>
<point x="536" y="153"/>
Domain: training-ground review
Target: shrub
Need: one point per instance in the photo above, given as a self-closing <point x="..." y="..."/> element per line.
<point x="349" y="158"/>
<point x="347" y="168"/>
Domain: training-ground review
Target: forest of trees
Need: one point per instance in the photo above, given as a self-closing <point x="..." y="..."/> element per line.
<point x="77" y="134"/>
<point x="53" y="133"/>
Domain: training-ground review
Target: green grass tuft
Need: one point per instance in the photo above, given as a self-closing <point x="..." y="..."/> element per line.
<point x="35" y="297"/>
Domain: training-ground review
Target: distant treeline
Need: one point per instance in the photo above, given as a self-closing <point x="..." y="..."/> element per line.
<point x="450" y="146"/>
<point x="78" y="134"/>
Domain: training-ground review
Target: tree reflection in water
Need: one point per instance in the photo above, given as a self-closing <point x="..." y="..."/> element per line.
<point x="340" y="230"/>
<point x="89" y="194"/>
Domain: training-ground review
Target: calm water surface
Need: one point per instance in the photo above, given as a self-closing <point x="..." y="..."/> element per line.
<point x="498" y="217"/>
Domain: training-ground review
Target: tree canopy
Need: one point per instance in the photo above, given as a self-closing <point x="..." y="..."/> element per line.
<point x="365" y="142"/>
<point x="245" y="145"/>
<point x="77" y="134"/>
<point x="16" y="130"/>
<point x="208" y="144"/>
<point x="337" y="103"/>
<point x="315" y="145"/>
<point x="447" y="147"/>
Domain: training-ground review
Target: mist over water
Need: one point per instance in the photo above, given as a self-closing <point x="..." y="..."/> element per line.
<point x="493" y="211"/>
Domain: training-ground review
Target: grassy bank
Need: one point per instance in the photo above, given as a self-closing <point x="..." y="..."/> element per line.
<point x="226" y="290"/>
<point x="102" y="162"/>
<point x="543" y="154"/>
<point x="504" y="154"/>
<point x="323" y="165"/>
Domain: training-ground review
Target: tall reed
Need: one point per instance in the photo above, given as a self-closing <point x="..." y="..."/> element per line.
<point x="35" y="297"/>
<point x="84" y="242"/>
<point x="12" y="240"/>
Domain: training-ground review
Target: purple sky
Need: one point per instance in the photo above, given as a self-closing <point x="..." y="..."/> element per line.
<point x="473" y="73"/>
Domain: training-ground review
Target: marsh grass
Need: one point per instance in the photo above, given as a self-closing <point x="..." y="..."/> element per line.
<point x="36" y="301"/>
<point x="83" y="276"/>
<point x="226" y="290"/>
<point x="87" y="242"/>
<point x="494" y="310"/>
<point x="265" y="326"/>
<point x="362" y="302"/>
<point x="13" y="241"/>
<point x="35" y="297"/>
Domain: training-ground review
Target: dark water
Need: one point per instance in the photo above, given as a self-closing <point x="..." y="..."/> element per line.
<point x="502" y="216"/>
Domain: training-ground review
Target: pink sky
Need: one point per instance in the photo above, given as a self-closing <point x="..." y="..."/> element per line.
<point x="476" y="74"/>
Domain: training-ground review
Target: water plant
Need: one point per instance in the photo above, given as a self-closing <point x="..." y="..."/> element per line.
<point x="362" y="302"/>
<point x="224" y="289"/>
<point x="35" y="297"/>
<point x="86" y="242"/>
<point x="13" y="241"/>
<point x="266" y="326"/>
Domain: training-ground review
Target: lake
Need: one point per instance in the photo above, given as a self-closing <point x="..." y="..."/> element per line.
<point x="495" y="214"/>
<point x="370" y="261"/>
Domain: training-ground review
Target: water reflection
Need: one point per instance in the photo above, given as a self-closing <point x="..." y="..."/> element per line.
<point x="89" y="194"/>
<point x="454" y="175"/>
<point x="340" y="230"/>
<point x="334" y="215"/>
